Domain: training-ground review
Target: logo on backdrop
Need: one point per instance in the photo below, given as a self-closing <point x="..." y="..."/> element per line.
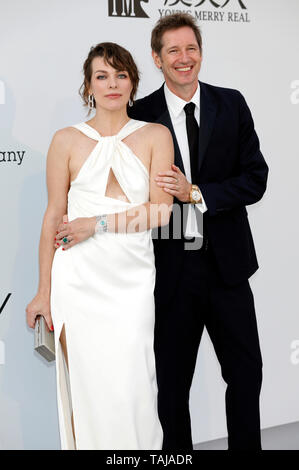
<point x="231" y="11"/>
<point x="4" y="303"/>
<point x="198" y="3"/>
<point x="2" y="344"/>
<point x="11" y="156"/>
<point x="127" y="8"/>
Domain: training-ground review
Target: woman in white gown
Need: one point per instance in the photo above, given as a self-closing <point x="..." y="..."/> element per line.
<point x="99" y="294"/>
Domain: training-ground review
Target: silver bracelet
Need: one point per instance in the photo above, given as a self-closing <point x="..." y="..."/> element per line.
<point x="101" y="225"/>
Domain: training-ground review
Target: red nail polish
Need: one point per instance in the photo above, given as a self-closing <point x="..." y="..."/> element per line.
<point x="63" y="249"/>
<point x="55" y="238"/>
<point x="57" y="233"/>
<point x="52" y="329"/>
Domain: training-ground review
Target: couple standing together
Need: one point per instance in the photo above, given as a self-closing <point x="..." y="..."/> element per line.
<point x="128" y="308"/>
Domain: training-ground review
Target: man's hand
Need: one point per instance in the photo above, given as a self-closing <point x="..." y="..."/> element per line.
<point x="75" y="231"/>
<point x="175" y="183"/>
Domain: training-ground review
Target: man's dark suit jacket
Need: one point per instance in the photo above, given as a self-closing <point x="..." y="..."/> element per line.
<point x="232" y="173"/>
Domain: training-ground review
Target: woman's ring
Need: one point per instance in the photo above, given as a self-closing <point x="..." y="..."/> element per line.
<point x="65" y="240"/>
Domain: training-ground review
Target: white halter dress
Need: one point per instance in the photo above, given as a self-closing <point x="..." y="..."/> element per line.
<point x="102" y="291"/>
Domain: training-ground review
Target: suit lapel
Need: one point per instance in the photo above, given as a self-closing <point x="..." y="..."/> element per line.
<point x="166" y="121"/>
<point x="208" y="111"/>
<point x="163" y="117"/>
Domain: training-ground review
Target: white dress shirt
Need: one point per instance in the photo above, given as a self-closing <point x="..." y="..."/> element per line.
<point x="178" y="117"/>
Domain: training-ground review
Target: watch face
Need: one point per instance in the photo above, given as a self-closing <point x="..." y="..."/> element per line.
<point x="195" y="195"/>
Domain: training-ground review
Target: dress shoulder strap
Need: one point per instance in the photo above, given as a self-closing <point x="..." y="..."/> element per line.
<point x="131" y="126"/>
<point x="87" y="130"/>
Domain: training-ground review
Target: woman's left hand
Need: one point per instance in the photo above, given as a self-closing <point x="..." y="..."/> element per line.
<point x="75" y="231"/>
<point x="175" y="183"/>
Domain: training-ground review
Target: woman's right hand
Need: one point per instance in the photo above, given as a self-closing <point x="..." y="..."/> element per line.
<point x="39" y="305"/>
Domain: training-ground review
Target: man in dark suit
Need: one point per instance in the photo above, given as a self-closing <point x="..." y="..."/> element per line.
<point x="218" y="170"/>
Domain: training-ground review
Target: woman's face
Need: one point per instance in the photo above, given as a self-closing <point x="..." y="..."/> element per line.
<point x="111" y="89"/>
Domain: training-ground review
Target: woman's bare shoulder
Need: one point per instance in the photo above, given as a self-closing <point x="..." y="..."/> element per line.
<point x="66" y="133"/>
<point x="157" y="131"/>
<point x="66" y="137"/>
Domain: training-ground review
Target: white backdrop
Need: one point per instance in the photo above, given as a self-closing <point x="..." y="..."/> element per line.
<point x="42" y="49"/>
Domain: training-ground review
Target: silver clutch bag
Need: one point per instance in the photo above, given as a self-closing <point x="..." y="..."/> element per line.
<point x="44" y="339"/>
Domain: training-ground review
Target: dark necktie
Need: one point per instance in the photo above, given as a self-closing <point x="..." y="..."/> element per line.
<point x="192" y="133"/>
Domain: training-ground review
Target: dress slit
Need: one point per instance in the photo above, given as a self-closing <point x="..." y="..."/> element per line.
<point x="64" y="397"/>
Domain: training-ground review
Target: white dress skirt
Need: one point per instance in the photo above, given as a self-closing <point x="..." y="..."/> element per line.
<point x="102" y="292"/>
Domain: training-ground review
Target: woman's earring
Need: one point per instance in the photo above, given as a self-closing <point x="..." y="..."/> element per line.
<point x="130" y="102"/>
<point x="91" y="102"/>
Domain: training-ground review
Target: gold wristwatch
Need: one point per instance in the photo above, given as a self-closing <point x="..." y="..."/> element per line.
<point x="195" y="195"/>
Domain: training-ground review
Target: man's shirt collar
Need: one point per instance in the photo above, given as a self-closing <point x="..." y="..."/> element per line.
<point x="176" y="104"/>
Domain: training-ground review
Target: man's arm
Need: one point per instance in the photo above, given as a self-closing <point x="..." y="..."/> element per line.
<point x="249" y="185"/>
<point x="175" y="183"/>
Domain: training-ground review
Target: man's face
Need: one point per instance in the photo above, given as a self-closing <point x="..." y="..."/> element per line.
<point x="180" y="58"/>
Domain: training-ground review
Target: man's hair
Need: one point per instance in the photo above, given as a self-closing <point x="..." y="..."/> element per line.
<point x="171" y="22"/>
